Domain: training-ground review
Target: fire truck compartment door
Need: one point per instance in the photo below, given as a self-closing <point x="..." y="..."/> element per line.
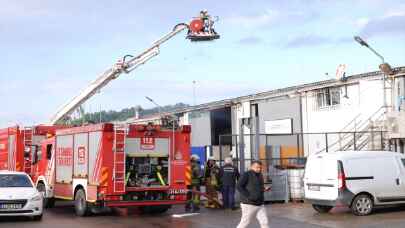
<point x="81" y="155"/>
<point x="64" y="158"/>
<point x="94" y="148"/>
<point x="3" y="151"/>
<point x="11" y="152"/>
<point x="133" y="148"/>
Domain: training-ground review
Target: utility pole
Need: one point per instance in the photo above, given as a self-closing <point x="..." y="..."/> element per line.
<point x="194" y="98"/>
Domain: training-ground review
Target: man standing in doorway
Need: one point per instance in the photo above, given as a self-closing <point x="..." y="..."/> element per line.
<point x="228" y="174"/>
<point x="251" y="189"/>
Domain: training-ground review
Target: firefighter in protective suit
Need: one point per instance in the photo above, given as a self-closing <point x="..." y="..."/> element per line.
<point x="193" y="199"/>
<point x="212" y="184"/>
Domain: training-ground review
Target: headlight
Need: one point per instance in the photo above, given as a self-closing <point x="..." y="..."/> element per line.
<point x="37" y="198"/>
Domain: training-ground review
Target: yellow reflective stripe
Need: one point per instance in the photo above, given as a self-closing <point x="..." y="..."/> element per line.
<point x="127" y="178"/>
<point x="188" y="175"/>
<point x="162" y="182"/>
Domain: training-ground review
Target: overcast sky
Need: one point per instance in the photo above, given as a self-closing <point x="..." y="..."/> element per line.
<point x="52" y="49"/>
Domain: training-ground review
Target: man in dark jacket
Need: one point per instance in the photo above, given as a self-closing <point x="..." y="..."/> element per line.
<point x="251" y="189"/>
<point x="228" y="174"/>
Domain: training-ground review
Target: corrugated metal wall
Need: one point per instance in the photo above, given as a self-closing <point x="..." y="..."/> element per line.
<point x="200" y="128"/>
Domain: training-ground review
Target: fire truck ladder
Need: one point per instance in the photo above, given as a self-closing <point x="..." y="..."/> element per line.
<point x="28" y="132"/>
<point x="119" y="159"/>
<point x="129" y="63"/>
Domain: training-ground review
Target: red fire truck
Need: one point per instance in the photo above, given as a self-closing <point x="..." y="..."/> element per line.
<point x="104" y="165"/>
<point x="17" y="143"/>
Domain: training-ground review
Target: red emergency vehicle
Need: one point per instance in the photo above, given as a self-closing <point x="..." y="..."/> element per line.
<point x="108" y="165"/>
<point x="16" y="144"/>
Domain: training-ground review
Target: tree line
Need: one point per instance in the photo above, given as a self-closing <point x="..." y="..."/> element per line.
<point x="122" y="115"/>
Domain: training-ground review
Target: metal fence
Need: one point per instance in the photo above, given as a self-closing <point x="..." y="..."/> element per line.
<point x="290" y="150"/>
<point x="284" y="156"/>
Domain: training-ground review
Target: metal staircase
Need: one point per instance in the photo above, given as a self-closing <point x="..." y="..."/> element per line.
<point x="360" y="134"/>
<point x="367" y="134"/>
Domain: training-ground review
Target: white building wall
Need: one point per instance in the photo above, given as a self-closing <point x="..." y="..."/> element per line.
<point x="185" y="119"/>
<point x="364" y="101"/>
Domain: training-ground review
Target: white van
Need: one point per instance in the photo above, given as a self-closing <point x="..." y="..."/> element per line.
<point x="358" y="179"/>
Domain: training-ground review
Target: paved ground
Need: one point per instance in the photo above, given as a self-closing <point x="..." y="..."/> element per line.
<point x="281" y="215"/>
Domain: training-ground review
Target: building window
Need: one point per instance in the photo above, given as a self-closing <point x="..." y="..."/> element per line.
<point x="328" y="97"/>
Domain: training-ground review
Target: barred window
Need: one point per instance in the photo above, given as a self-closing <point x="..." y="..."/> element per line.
<point x="328" y="97"/>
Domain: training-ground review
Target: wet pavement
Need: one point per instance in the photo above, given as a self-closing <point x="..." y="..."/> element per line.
<point x="281" y="215"/>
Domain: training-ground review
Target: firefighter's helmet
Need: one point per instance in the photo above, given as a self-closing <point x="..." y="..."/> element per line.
<point x="195" y="157"/>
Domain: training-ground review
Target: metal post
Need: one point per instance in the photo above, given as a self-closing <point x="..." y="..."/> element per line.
<point x="268" y="160"/>
<point x="257" y="143"/>
<point x="237" y="151"/>
<point x="354" y="141"/>
<point x="252" y="156"/>
<point x="382" y="140"/>
<point x="326" y="142"/>
<point x="241" y="146"/>
<point x="383" y="79"/>
<point x="220" y="150"/>
<point x="365" y="44"/>
<point x="298" y="146"/>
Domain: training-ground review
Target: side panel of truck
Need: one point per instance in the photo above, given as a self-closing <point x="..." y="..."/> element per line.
<point x="79" y="162"/>
<point x="4" y="149"/>
<point x="11" y="149"/>
<point x="64" y="166"/>
<point x="80" y="155"/>
<point x="94" y="156"/>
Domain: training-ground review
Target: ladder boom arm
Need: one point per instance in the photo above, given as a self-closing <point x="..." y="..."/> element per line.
<point x="113" y="73"/>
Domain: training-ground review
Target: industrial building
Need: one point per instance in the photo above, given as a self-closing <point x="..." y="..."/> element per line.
<point x="350" y="112"/>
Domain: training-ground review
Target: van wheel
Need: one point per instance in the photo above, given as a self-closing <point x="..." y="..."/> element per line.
<point x="322" y="208"/>
<point x="81" y="206"/>
<point x="362" y="205"/>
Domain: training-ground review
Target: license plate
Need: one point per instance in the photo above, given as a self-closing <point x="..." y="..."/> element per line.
<point x="314" y="188"/>
<point x="10" y="206"/>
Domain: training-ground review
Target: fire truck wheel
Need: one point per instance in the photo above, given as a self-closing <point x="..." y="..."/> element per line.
<point x="81" y="206"/>
<point x="48" y="202"/>
<point x="155" y="209"/>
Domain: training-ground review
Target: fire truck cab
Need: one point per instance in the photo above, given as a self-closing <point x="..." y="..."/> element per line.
<point x="106" y="165"/>
<point x="17" y="145"/>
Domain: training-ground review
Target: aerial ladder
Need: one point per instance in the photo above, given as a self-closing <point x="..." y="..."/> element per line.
<point x="199" y="29"/>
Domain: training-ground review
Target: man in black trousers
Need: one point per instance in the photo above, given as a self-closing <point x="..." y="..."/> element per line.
<point x="228" y="174"/>
<point x="251" y="189"/>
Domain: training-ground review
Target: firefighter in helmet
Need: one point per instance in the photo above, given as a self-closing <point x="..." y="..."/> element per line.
<point x="207" y="21"/>
<point x="211" y="178"/>
<point x="193" y="199"/>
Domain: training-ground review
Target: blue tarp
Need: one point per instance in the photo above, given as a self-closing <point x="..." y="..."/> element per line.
<point x="201" y="152"/>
